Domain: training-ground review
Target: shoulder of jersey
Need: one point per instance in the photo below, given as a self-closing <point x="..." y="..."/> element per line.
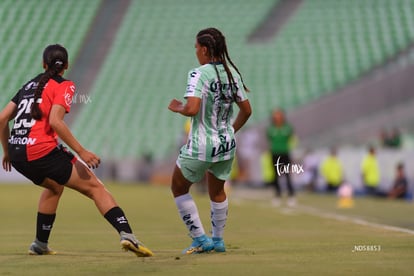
<point x="204" y="67"/>
<point x="31" y="83"/>
<point x="59" y="79"/>
<point x="196" y="69"/>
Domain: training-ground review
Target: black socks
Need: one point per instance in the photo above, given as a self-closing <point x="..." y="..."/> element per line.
<point x="117" y="218"/>
<point x="44" y="226"/>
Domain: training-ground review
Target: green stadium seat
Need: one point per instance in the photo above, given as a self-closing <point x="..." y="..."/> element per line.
<point x="322" y="47"/>
<point x="28" y="26"/>
<point x="147" y="67"/>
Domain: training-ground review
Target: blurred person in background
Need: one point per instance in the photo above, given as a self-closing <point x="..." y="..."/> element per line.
<point x="332" y="171"/>
<point x="248" y="153"/>
<point x="280" y="135"/>
<point x="400" y="186"/>
<point x="145" y="167"/>
<point x="370" y="172"/>
<point x="311" y="170"/>
<point x="395" y="140"/>
<point x="391" y="139"/>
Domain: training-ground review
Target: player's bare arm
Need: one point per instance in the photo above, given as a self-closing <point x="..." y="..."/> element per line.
<point x="243" y="115"/>
<point x="56" y="121"/>
<point x="5" y="116"/>
<point x="190" y="108"/>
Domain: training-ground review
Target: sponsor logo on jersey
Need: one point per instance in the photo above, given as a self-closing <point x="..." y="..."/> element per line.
<point x="224" y="147"/>
<point x="192" y="84"/>
<point x="190" y="89"/>
<point x="20" y="132"/>
<point x="68" y="97"/>
<point x="31" y="85"/>
<point x="22" y="140"/>
<point x="215" y="87"/>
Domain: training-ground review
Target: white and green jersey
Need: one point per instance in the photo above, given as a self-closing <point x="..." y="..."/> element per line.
<point x="211" y="137"/>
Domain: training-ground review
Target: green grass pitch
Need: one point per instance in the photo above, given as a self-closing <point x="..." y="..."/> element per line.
<point x="261" y="240"/>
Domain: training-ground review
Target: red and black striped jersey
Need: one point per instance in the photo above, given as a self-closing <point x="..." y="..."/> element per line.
<point x="32" y="139"/>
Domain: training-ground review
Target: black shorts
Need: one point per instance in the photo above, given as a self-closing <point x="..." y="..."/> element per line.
<point x="56" y="165"/>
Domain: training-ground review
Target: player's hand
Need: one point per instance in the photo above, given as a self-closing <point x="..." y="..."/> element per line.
<point x="7" y="163"/>
<point x="175" y="105"/>
<point x="91" y="159"/>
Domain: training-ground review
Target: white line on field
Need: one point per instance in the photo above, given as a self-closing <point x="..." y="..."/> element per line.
<point x="322" y="214"/>
<point x="239" y="199"/>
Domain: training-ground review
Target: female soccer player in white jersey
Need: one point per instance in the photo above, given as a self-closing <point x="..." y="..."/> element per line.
<point x="32" y="149"/>
<point x="212" y="89"/>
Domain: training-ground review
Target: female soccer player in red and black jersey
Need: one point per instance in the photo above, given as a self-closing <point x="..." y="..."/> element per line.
<point x="32" y="149"/>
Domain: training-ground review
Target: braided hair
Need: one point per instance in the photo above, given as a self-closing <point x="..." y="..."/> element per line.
<point x="55" y="57"/>
<point x="215" y="42"/>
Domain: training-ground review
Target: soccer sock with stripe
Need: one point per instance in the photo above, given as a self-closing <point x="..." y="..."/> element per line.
<point x="118" y="220"/>
<point x="44" y="226"/>
<point x="189" y="214"/>
<point x="219" y="212"/>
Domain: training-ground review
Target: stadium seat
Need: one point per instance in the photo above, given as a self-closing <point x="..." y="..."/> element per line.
<point x="323" y="46"/>
<point x="147" y="67"/>
<point x="28" y="27"/>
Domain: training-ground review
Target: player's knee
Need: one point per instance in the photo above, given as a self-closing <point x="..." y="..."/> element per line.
<point x="95" y="189"/>
<point x="57" y="191"/>
<point x="179" y="185"/>
<point x="54" y="188"/>
<point x="176" y="191"/>
<point x="217" y="195"/>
